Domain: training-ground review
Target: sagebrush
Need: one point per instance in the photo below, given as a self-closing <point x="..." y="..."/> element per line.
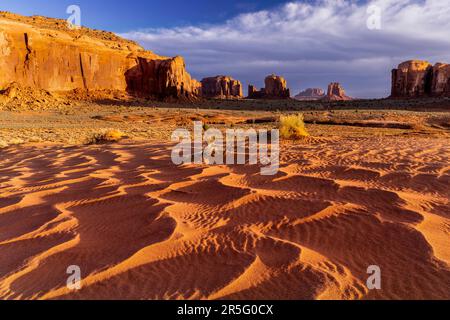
<point x="292" y="127"/>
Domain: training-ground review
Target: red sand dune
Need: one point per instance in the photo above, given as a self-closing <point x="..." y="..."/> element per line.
<point x="142" y="228"/>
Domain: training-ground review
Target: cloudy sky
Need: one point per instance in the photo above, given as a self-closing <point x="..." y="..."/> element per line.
<point x="310" y="43"/>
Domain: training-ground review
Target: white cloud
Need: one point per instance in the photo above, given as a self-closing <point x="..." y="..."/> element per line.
<point x="312" y="44"/>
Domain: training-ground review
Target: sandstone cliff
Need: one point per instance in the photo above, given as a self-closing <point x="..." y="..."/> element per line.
<point x="411" y="79"/>
<point x="254" y="93"/>
<point x="42" y="53"/>
<point x="221" y="87"/>
<point x="336" y="93"/>
<point x="275" y="88"/>
<point x="310" y="94"/>
<point x="440" y="85"/>
<point x="417" y="78"/>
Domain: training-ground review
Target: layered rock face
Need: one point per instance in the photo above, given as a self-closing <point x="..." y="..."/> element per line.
<point x="336" y="93"/>
<point x="252" y="91"/>
<point x="311" y="94"/>
<point x="411" y="79"/>
<point x="161" y="78"/>
<point x="43" y="53"/>
<point x="417" y="78"/>
<point x="275" y="88"/>
<point x="440" y="85"/>
<point x="221" y="87"/>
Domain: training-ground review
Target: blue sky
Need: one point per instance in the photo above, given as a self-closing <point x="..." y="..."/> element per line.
<point x="121" y="16"/>
<point x="310" y="43"/>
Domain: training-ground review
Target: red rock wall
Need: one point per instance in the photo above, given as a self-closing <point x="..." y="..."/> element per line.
<point x="336" y="92"/>
<point x="411" y="79"/>
<point x="275" y="88"/>
<point x="221" y="87"/>
<point x="420" y="79"/>
<point x="59" y="60"/>
<point x="441" y="80"/>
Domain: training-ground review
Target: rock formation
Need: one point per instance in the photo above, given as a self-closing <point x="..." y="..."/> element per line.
<point x="311" y="94"/>
<point x="411" y="79"/>
<point x="275" y="88"/>
<point x="336" y="93"/>
<point x="252" y="91"/>
<point x="43" y="53"/>
<point x="417" y="78"/>
<point x="221" y="87"/>
<point x="440" y="85"/>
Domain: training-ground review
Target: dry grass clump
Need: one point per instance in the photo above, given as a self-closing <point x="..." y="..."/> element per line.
<point x="106" y="136"/>
<point x="3" y="144"/>
<point x="11" y="142"/>
<point x="292" y="127"/>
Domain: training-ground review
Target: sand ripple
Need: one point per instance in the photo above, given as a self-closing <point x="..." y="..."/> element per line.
<point x="142" y="228"/>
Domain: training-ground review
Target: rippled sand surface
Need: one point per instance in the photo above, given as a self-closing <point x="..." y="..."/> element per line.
<point x="140" y="227"/>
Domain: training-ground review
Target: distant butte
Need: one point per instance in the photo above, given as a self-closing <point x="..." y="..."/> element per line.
<point x="275" y="88"/>
<point x="221" y="87"/>
<point x="311" y="94"/>
<point x="336" y="93"/>
<point x="416" y="78"/>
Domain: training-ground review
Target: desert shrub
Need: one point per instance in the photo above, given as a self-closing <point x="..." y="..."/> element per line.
<point x="3" y="144"/>
<point x="292" y="127"/>
<point x="11" y="142"/>
<point x="106" y="136"/>
<point x="15" y="141"/>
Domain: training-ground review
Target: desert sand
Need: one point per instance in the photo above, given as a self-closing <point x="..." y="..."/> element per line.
<point x="141" y="227"/>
